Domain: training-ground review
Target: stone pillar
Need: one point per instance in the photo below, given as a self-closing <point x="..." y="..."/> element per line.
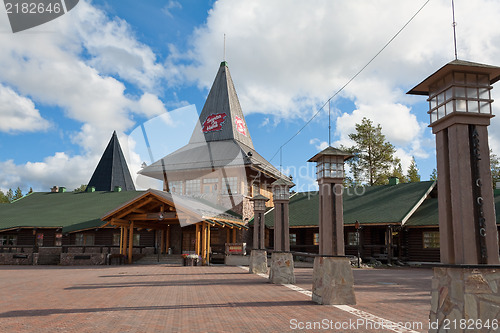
<point x="333" y="281"/>
<point x="282" y="266"/>
<point x="465" y="288"/>
<point x="258" y="256"/>
<point x="465" y="296"/>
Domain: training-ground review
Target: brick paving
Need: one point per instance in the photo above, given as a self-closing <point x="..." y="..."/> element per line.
<point x="157" y="298"/>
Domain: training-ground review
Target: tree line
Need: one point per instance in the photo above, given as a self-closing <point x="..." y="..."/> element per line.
<point x="11" y="195"/>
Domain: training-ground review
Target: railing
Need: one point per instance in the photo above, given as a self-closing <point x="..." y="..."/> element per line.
<point x="100" y="247"/>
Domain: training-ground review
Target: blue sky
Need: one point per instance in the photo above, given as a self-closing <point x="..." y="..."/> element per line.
<point x="114" y="65"/>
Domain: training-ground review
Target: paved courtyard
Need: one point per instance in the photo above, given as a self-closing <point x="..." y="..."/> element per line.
<point x="202" y="299"/>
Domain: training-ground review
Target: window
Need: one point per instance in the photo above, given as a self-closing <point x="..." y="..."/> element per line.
<point x="58" y="239"/>
<point x="352" y="239"/>
<point x="193" y="186"/>
<point x="176" y="187"/>
<point x="116" y="239"/>
<point x="316" y="238"/>
<point x="231" y="184"/>
<point x="293" y="239"/>
<point x="39" y="239"/>
<point x="8" y="239"/>
<point x="210" y="185"/>
<point x="137" y="239"/>
<point x="84" y="239"/>
<point x="431" y="240"/>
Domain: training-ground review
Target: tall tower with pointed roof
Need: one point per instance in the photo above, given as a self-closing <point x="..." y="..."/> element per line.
<point x="112" y="170"/>
<point x="219" y="163"/>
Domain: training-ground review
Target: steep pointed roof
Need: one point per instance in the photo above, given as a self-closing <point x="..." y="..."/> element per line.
<point x="220" y="138"/>
<point x="112" y="169"/>
<point x="222" y="117"/>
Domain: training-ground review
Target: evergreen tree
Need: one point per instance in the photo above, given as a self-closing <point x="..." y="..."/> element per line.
<point x="374" y="156"/>
<point x="397" y="171"/>
<point x="3" y="198"/>
<point x="434" y="175"/>
<point x="18" y="194"/>
<point x="31" y="190"/>
<point x="413" y="176"/>
<point x="10" y="195"/>
<point x="495" y="168"/>
<point x="82" y="188"/>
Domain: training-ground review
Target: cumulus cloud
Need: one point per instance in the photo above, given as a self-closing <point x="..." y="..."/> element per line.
<point x="18" y="113"/>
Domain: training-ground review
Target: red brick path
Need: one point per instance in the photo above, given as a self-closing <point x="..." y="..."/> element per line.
<point x="193" y="299"/>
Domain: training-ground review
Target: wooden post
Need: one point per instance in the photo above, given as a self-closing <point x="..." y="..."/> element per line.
<point x="162" y="241"/>
<point x="130" y="242"/>
<point x="124" y="243"/>
<point x="121" y="240"/>
<point x="208" y="244"/>
<point x="204" y="246"/>
<point x="234" y="235"/>
<point x="228" y="235"/>
<point x="198" y="238"/>
<point x="167" y="245"/>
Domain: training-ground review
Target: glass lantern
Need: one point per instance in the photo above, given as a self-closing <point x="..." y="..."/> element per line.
<point x="281" y="189"/>
<point x="259" y="202"/>
<point x="330" y="163"/>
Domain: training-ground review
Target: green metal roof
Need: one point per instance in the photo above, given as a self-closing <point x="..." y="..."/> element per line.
<point x="427" y="214"/>
<point x="70" y="211"/>
<point x="381" y="204"/>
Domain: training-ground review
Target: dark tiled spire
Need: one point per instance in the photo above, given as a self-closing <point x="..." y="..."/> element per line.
<point x="112" y="169"/>
<point x="222" y="117"/>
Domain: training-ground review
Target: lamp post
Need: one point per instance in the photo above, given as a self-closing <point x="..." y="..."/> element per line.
<point x="258" y="256"/>
<point x="460" y="111"/>
<point x="282" y="270"/>
<point x="358" y="241"/>
<point x="332" y="275"/>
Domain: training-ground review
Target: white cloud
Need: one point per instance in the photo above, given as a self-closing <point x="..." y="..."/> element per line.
<point x="167" y="9"/>
<point x="18" y="113"/>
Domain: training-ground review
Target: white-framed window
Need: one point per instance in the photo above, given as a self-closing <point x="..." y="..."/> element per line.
<point x="293" y="239"/>
<point x="193" y="186"/>
<point x="431" y="239"/>
<point x="352" y="239"/>
<point x="8" y="239"/>
<point x="176" y="187"/>
<point x="210" y="185"/>
<point x="230" y="184"/>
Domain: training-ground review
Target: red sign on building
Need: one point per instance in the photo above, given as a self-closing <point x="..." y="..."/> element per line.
<point x="240" y="125"/>
<point x="214" y="122"/>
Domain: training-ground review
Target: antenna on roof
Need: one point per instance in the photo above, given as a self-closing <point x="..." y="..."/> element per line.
<point x="224" y="57"/>
<point x="329" y="124"/>
<point x="454" y="28"/>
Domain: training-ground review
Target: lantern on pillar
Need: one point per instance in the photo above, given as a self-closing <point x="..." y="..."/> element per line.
<point x="330" y="176"/>
<point x="259" y="207"/>
<point x="281" y="198"/>
<point x="460" y="111"/>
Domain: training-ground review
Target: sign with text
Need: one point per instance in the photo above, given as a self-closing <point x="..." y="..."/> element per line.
<point x="236" y="249"/>
<point x="214" y="122"/>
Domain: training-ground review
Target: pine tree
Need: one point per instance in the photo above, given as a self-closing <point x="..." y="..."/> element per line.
<point x="374" y="156"/>
<point x="82" y="188"/>
<point x="413" y="176"/>
<point x="10" y="195"/>
<point x="495" y="168"/>
<point x="3" y="198"/>
<point x="434" y="175"/>
<point x="397" y="171"/>
<point x="18" y="194"/>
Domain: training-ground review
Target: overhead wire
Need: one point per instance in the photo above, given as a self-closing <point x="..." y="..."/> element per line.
<point x="350" y="80"/>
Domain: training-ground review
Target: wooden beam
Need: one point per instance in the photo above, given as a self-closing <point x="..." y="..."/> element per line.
<point x="134" y="207"/>
<point x="204" y="244"/>
<point x="125" y="240"/>
<point x="228" y="235"/>
<point x="131" y="242"/>
<point x="208" y="244"/>
<point x="198" y="238"/>
<point x="234" y="235"/>
<point x="167" y="246"/>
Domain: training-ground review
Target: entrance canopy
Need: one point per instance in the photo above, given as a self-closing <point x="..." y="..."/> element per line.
<point x="157" y="209"/>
